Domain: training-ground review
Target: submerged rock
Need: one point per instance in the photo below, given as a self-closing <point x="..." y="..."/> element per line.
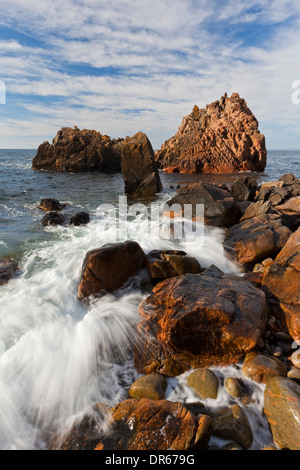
<point x="195" y="321"/>
<point x="53" y="218"/>
<point x="82" y="218"/>
<point x="282" y="409"/>
<point x="223" y="137"/>
<point x="8" y="267"/>
<point x="51" y="205"/>
<point x="108" y="268"/>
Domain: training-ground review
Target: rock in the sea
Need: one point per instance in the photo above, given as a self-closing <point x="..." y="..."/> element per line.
<point x="8" y="267"/>
<point x="204" y="383"/>
<point x="53" y="218"/>
<point x="244" y="188"/>
<point x="232" y="424"/>
<point x="110" y="267"/>
<point x="51" y="205"/>
<point x="78" y="150"/>
<point x="254" y="240"/>
<point x="282" y="282"/>
<point x="261" y="367"/>
<point x="196" y="321"/>
<point x="82" y="218"/>
<point x="139" y="169"/>
<point x="164" y="264"/>
<point x="223" y="137"/>
<point x="282" y="409"/>
<point x="220" y="208"/>
<point x="151" y="386"/>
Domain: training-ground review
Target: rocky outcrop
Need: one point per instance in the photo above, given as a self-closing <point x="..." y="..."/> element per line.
<point x="110" y="267"/>
<point x="282" y="283"/>
<point x="223" y="137"/>
<point x="196" y="321"/>
<point x="139" y="170"/>
<point x="282" y="408"/>
<point x="78" y="151"/>
<point x="86" y="150"/>
<point x="8" y="267"/>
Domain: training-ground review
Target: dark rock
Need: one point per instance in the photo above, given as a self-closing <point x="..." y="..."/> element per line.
<point x="108" y="268"/>
<point x="232" y="424"/>
<point x="82" y="218"/>
<point x="196" y="321"/>
<point x="8" y="267"/>
<point x="51" y="205"/>
<point x="244" y="188"/>
<point x="139" y="169"/>
<point x="53" y="218"/>
<point x="164" y="264"/>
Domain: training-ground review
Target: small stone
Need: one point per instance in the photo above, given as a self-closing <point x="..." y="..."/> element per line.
<point x="269" y="448"/>
<point x="277" y="352"/>
<point x="195" y="407"/>
<point x="203" y="433"/>
<point x="151" y="386"/>
<point x="233" y="387"/>
<point x="204" y="383"/>
<point x="294" y="374"/>
<point x="231" y="446"/>
<point x="282" y="336"/>
<point x="295" y="358"/>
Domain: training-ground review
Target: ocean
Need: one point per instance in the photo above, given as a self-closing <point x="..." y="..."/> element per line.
<point x="57" y="354"/>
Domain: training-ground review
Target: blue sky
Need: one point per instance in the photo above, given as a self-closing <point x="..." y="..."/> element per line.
<point x="125" y="66"/>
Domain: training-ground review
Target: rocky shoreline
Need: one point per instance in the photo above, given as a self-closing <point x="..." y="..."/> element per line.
<point x="196" y="319"/>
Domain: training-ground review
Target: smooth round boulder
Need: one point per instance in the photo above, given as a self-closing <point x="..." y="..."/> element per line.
<point x="204" y="383"/>
<point x="151" y="386"/>
<point x="233" y="387"/>
<point x="261" y="367"/>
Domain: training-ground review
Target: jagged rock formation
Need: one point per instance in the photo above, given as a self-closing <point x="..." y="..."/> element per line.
<point x="221" y="138"/>
<point x="86" y="150"/>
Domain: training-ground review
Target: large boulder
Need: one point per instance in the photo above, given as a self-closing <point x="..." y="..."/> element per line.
<point x="141" y="425"/>
<point x="256" y="239"/>
<point x="282" y="283"/>
<point x="282" y="408"/>
<point x="78" y="150"/>
<point x="223" y="137"/>
<point x="139" y="169"/>
<point x="108" y="268"/>
<point x="196" y="321"/>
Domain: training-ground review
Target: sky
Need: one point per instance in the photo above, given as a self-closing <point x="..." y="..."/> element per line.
<point x="127" y="66"/>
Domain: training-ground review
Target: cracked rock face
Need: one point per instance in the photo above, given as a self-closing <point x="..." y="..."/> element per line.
<point x="221" y="138"/>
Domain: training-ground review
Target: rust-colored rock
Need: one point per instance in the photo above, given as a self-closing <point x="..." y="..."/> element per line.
<point x="223" y="137"/>
<point x="261" y="367"/>
<point x="164" y="264"/>
<point x="256" y="239"/>
<point x="78" y="150"/>
<point x="108" y="268"/>
<point x="196" y="321"/>
<point x="282" y="409"/>
<point x="139" y="169"/>
<point x="282" y="282"/>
